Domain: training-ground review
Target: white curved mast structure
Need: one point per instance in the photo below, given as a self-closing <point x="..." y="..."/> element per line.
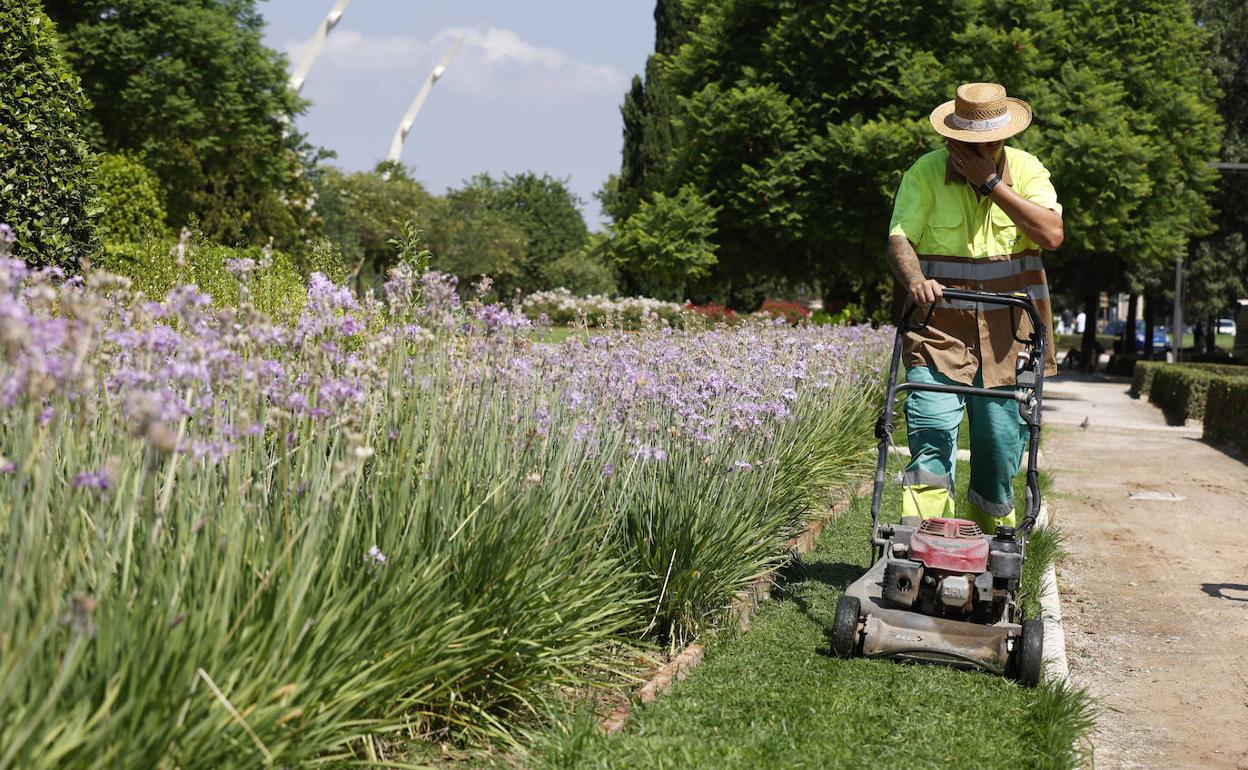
<point x="405" y="127"/>
<point x="318" y="42"/>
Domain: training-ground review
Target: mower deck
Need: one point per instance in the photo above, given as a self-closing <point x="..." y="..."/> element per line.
<point x="896" y="633"/>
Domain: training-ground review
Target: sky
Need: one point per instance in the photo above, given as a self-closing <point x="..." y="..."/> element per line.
<point x="537" y="85"/>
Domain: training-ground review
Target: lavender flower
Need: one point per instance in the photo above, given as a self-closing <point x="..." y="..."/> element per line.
<point x="376" y="556"/>
<point x="242" y="269"/>
<point x="650" y="453"/>
<point x="97" y="479"/>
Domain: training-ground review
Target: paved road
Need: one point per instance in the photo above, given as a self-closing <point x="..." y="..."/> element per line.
<point x="1154" y="592"/>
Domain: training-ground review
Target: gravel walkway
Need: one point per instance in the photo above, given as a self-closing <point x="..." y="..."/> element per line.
<point x="1155" y="590"/>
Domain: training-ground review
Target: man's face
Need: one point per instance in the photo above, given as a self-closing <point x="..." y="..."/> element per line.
<point x="990" y="150"/>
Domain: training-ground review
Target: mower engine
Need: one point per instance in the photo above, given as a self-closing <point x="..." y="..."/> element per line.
<point x="949" y="568"/>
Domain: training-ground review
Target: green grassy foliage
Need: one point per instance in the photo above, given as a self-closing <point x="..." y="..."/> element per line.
<point x="774" y="697"/>
<point x="1064" y="342"/>
<point x="208" y="615"/>
<point x="152" y="265"/>
<point x="1226" y="411"/>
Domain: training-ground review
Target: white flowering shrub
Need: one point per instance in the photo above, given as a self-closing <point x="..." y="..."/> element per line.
<point x="562" y="308"/>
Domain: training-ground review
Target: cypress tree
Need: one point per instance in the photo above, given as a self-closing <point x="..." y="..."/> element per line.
<point x="649" y="111"/>
<point x="46" y="194"/>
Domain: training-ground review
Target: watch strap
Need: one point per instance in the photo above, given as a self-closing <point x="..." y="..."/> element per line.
<point x="987" y="187"/>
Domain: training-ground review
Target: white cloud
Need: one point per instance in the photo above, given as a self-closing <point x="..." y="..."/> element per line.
<point x="493" y="62"/>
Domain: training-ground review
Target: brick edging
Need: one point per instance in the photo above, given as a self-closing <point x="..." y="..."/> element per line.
<point x="740" y="611"/>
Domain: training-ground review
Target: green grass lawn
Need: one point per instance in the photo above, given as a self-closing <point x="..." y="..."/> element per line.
<point x="1223" y="341"/>
<point x="774" y="697"/>
<point x="560" y="333"/>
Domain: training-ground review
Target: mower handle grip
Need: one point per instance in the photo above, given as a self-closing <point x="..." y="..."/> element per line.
<point x="965" y="390"/>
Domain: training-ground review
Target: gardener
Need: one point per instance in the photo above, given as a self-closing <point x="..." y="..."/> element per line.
<point x="972" y="216"/>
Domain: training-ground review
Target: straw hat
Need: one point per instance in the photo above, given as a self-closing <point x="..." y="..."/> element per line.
<point x="981" y="113"/>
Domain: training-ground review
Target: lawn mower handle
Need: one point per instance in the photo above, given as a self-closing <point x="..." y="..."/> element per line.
<point x="1029" y="394"/>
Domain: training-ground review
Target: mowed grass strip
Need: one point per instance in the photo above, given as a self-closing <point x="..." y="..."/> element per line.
<point x="774" y="697"/>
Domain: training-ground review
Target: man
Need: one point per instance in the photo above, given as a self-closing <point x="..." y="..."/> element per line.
<point x="972" y="216"/>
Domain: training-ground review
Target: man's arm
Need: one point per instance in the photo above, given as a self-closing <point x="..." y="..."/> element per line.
<point x="1040" y="224"/>
<point x="905" y="265"/>
<point x="1044" y="226"/>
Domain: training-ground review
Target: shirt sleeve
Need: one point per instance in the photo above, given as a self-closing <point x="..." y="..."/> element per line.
<point x="1038" y="188"/>
<point x="909" y="209"/>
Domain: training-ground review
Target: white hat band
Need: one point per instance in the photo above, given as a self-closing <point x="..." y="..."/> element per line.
<point x="980" y="125"/>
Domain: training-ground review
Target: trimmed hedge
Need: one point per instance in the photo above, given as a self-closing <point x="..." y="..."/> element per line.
<point x="1142" y="376"/>
<point x="46" y="192"/>
<point x="133" y="207"/>
<point x="1226" y="411"/>
<point x="1181" y="390"/>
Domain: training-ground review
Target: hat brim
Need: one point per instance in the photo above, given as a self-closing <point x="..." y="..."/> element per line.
<point x="1020" y="118"/>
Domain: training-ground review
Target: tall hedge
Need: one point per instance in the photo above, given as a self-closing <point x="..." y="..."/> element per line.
<point x="1226" y="411"/>
<point x="45" y="165"/>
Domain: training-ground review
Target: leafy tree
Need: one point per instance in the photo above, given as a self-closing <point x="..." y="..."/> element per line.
<point x="471" y="239"/>
<point x="648" y="110"/>
<point x="544" y="209"/>
<point x="668" y="243"/>
<point x="1217" y="268"/>
<point x="190" y="86"/>
<point x="796" y="121"/>
<point x="364" y="211"/>
<point x="130" y="199"/>
<point x="585" y="271"/>
<point x="46" y="194"/>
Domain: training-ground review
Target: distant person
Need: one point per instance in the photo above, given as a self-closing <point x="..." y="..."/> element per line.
<point x="1067" y="318"/>
<point x="1081" y="322"/>
<point x="974" y="215"/>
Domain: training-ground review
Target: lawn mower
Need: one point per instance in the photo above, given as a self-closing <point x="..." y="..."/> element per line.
<point x="940" y="590"/>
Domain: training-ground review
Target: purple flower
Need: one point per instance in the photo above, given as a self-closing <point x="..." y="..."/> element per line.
<point x="376" y="556"/>
<point x="97" y="479"/>
<point x="650" y="453"/>
<point x="742" y="465"/>
<point x="242" y="269"/>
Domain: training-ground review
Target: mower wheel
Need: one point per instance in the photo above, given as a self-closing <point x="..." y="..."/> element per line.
<point x="845" y="627"/>
<point x="1030" y="653"/>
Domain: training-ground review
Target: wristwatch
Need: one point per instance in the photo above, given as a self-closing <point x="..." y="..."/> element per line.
<point x="987" y="187"/>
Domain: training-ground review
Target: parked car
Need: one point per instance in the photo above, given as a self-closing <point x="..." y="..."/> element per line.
<point x="1161" y="340"/>
<point x="1226" y="326"/>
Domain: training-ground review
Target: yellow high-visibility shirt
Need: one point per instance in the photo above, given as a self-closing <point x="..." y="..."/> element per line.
<point x="947" y="218"/>
<point x="967" y="242"/>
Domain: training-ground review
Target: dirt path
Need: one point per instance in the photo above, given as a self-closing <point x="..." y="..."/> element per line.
<point x="1154" y="592"/>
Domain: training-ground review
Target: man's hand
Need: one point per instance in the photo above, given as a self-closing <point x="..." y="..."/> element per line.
<point x="906" y="268"/>
<point x="974" y="165"/>
<point x="925" y="291"/>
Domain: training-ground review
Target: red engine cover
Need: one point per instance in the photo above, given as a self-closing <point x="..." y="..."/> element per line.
<point x="955" y="545"/>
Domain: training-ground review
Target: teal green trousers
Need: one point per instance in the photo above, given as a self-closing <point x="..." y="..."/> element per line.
<point x="998" y="438"/>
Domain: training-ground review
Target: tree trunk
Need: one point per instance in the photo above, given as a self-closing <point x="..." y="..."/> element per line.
<point x="1090" y="353"/>
<point x="1211" y="333"/>
<point x="1198" y="335"/>
<point x="1128" y="331"/>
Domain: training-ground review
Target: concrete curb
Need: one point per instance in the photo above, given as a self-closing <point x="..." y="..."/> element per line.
<point x="1056" y="665"/>
<point x="740" y="611"/>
